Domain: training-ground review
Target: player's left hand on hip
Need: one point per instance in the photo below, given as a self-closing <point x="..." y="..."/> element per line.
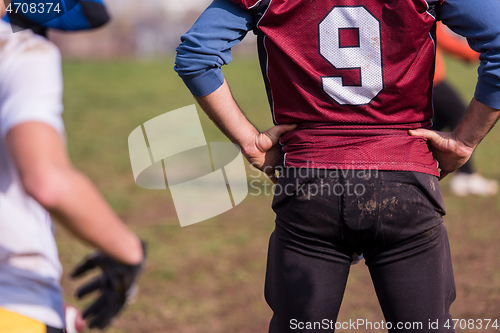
<point x="117" y="285"/>
<point x="265" y="154"/>
<point x="447" y="149"/>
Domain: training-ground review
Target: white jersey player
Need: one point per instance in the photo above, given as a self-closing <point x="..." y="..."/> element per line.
<point x="36" y="177"/>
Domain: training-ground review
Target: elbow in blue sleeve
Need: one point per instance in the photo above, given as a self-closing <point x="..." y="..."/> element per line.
<point x="206" y="47"/>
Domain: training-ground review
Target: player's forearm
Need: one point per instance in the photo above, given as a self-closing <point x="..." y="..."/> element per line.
<point x="204" y="49"/>
<point x="221" y="107"/>
<point x="476" y="123"/>
<point x="48" y="176"/>
<point x="452" y="150"/>
<point x="82" y="210"/>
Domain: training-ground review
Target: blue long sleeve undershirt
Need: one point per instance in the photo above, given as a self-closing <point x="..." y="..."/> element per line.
<point x="478" y="22"/>
<point x="207" y="45"/>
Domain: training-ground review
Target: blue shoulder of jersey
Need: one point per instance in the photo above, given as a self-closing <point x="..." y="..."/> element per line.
<point x="207" y="46"/>
<point x="478" y="22"/>
<point x="85" y="14"/>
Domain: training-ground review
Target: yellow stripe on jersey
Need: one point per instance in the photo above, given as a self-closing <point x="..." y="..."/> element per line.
<point x="11" y="322"/>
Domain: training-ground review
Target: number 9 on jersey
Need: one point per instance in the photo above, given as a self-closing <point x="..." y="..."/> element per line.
<point x="364" y="54"/>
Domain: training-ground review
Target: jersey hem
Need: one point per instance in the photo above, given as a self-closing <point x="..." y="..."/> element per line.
<point x="360" y="165"/>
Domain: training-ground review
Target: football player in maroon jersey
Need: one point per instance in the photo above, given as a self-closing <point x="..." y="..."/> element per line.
<point x="350" y="88"/>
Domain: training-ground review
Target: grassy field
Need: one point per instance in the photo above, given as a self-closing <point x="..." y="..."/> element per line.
<point x="209" y="277"/>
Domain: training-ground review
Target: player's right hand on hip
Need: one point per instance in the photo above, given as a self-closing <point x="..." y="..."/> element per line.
<point x="117" y="285"/>
<point x="446" y="148"/>
<point x="264" y="153"/>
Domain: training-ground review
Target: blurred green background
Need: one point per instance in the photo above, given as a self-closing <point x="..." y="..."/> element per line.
<point x="209" y="277"/>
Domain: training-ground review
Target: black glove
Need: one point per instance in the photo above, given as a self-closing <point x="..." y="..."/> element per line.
<point x="117" y="285"/>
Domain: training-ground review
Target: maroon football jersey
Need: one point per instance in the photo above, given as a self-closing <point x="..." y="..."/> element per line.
<point x="355" y="75"/>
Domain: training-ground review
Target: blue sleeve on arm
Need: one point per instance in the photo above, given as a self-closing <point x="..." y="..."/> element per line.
<point x="207" y="46"/>
<point x="72" y="20"/>
<point x="478" y="22"/>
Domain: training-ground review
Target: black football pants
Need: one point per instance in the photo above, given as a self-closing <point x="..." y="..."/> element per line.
<point x="393" y="218"/>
